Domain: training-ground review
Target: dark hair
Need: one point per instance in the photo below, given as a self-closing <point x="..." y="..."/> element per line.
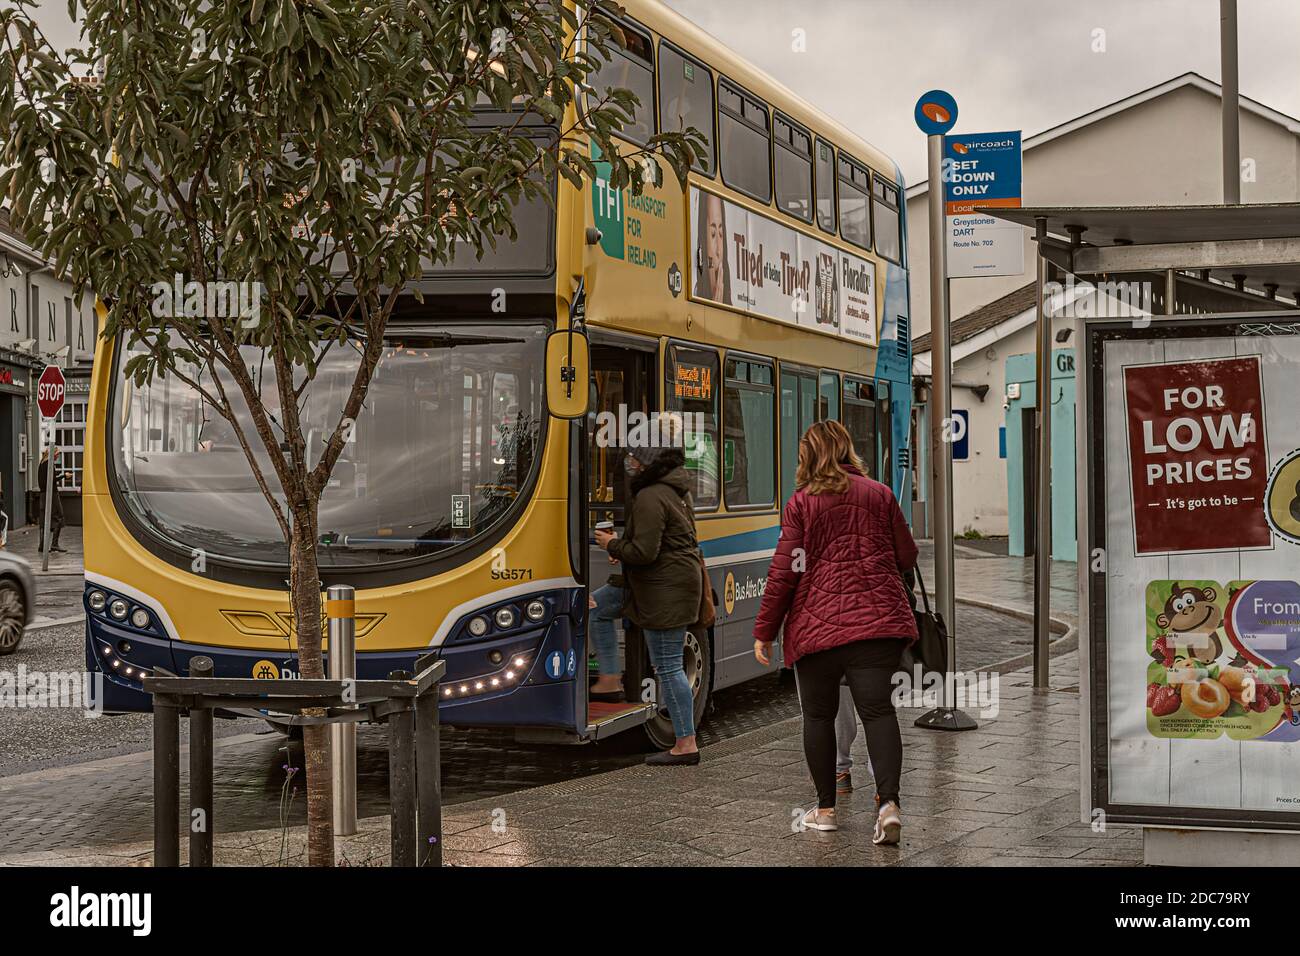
<point x="667" y="459"/>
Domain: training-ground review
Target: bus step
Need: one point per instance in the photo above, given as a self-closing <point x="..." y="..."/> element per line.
<point x="605" y="720"/>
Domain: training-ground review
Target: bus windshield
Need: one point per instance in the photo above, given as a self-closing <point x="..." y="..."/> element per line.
<point x="444" y="445"/>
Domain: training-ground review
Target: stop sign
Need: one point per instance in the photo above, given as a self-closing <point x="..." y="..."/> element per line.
<point x="49" y="391"/>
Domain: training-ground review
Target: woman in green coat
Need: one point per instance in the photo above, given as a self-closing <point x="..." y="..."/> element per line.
<point x="660" y="557"/>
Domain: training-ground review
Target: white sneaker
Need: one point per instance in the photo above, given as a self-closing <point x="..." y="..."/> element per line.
<point x="889" y="826"/>
<point x="816" y="819"/>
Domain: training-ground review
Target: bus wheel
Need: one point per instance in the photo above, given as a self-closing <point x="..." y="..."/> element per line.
<point x="13" y="617"/>
<point x="697" y="662"/>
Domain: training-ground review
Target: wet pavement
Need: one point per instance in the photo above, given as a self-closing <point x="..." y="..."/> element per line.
<point x="1005" y="794"/>
<point x="68" y="781"/>
<point x="51" y="797"/>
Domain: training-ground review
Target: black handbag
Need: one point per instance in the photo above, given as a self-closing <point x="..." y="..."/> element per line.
<point x="930" y="649"/>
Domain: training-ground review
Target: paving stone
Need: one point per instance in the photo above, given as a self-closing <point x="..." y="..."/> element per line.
<point x="1003" y="795"/>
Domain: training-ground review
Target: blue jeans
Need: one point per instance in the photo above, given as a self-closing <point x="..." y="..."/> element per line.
<point x="665" y="649"/>
<point x="608" y="609"/>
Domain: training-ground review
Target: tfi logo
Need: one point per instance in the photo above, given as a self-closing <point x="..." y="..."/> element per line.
<point x="934" y="112"/>
<point x="607" y="209"/>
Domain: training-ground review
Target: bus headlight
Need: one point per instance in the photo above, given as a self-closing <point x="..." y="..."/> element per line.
<point x="97" y="600"/>
<point x="478" y="626"/>
<point x="536" y="610"/>
<point x="505" y="617"/>
<point x="118" y="609"/>
<point x="140" y="618"/>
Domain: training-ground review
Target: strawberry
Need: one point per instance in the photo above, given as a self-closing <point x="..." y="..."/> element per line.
<point x="1152" y="689"/>
<point x="1165" y="700"/>
<point x="1161" y="650"/>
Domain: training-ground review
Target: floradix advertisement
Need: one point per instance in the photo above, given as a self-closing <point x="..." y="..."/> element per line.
<point x="1199" y="644"/>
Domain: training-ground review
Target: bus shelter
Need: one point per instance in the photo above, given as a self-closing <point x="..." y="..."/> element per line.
<point x="1188" y="494"/>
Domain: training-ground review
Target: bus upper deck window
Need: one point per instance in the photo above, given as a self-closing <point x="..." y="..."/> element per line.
<point x="745" y="143"/>
<point x="826" y="186"/>
<point x="630" y="68"/>
<point x="889" y="240"/>
<point x="855" y="216"/>
<point x="793" y="170"/>
<point x="686" y="100"/>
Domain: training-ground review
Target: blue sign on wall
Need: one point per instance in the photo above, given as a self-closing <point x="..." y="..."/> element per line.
<point x="960" y="434"/>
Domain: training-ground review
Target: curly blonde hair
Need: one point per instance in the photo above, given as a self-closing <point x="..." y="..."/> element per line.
<point x="826" y="457"/>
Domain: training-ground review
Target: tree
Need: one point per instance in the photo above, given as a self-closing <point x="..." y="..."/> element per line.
<point x="319" y="154"/>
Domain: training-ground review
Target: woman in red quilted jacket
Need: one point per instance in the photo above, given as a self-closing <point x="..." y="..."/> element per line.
<point x="836" y="583"/>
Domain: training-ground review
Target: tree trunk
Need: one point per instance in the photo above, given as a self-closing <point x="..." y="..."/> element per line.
<point x="305" y="595"/>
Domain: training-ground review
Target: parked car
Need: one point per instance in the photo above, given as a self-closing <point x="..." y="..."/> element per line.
<point x="17" y="594"/>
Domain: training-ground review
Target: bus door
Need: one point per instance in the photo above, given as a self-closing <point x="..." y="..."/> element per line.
<point x="623" y="380"/>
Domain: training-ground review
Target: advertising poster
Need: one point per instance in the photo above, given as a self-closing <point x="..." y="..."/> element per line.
<point x="1221" y="660"/>
<point x="767" y="269"/>
<point x="1196" y="442"/>
<point x="1198" y="636"/>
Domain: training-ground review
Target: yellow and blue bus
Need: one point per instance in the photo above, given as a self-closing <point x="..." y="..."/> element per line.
<point x="768" y="293"/>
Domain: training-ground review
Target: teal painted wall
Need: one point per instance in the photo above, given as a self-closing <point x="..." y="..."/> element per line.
<point x="1020" y="368"/>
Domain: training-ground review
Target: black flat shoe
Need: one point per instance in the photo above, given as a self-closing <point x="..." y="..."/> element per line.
<point x="669" y="759"/>
<point x="609" y="697"/>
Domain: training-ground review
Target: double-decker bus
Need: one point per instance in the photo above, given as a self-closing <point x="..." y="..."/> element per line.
<point x="766" y="294"/>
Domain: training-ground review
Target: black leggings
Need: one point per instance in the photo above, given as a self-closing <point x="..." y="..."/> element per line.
<point x="869" y="666"/>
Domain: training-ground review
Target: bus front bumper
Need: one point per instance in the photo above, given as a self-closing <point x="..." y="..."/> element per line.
<point x="526" y="680"/>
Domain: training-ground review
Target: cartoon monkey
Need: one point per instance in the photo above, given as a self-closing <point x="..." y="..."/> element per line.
<point x="1192" y="619"/>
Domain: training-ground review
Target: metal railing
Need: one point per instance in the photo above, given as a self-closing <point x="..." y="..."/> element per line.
<point x="407" y="703"/>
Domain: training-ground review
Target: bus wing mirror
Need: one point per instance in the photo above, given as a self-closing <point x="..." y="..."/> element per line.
<point x="568" y="371"/>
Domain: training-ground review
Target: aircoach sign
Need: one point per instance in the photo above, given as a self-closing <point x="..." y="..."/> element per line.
<point x="982" y="169"/>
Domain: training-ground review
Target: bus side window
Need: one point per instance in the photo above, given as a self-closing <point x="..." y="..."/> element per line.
<point x="799" y="404"/>
<point x="860" y="420"/>
<point x="630" y="68"/>
<point x="885" y="434"/>
<point x="826" y="187"/>
<point x="828" y="403"/>
<point x="745" y="143"/>
<point x="749" y="430"/>
<point x="855" y="214"/>
<point x="794" y="185"/>
<point x="686" y="100"/>
<point x="692" y="389"/>
<point x="884" y="198"/>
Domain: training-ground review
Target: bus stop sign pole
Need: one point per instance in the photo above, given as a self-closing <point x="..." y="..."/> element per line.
<point x="936" y="113"/>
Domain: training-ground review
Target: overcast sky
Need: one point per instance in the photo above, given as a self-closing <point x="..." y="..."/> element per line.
<point x="1011" y="64"/>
